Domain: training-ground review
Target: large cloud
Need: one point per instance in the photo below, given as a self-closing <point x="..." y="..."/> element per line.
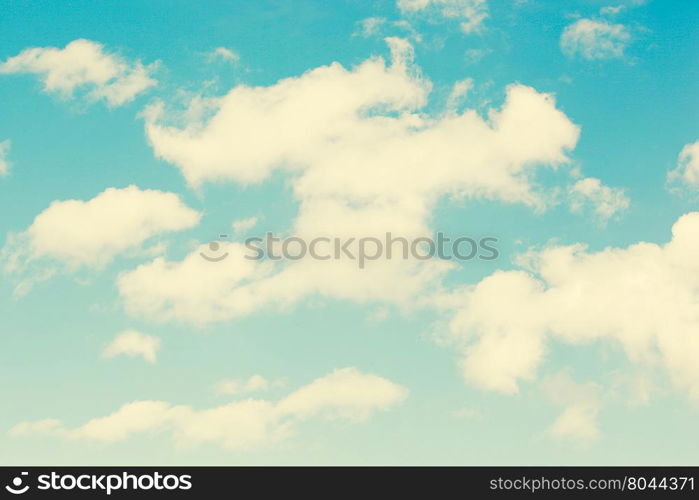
<point x="644" y="299"/>
<point x="83" y="65"/>
<point x="364" y="160"/>
<point x="197" y="291"/>
<point x="345" y="394"/>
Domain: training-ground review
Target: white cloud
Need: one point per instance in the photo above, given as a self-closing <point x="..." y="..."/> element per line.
<point x="133" y="343"/>
<point x="371" y="26"/>
<point x="4" y="162"/>
<point x="605" y="201"/>
<point x="469" y="13"/>
<point x="197" y="291"/>
<point x="346" y="393"/>
<point x="687" y="171"/>
<point x="592" y="39"/>
<point x="459" y="92"/>
<point x="256" y="383"/>
<point x="225" y="54"/>
<point x="83" y="65"/>
<point x="319" y="125"/>
<point x="48" y="426"/>
<point x="472" y="56"/>
<point x="611" y="10"/>
<point x="581" y="405"/>
<point x="242" y="226"/>
<point x="643" y="299"/>
<point x="92" y="233"/>
<point x="366" y="161"/>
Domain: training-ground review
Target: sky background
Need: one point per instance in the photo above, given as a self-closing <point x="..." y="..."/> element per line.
<point x="637" y="107"/>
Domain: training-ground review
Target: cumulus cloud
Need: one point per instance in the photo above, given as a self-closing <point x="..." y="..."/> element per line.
<point x="605" y="202"/>
<point x="76" y="233"/>
<point x="4" y="162"/>
<point x="83" y="65"/>
<point x="687" y="171"/>
<point x="642" y="299"/>
<point x="330" y="119"/>
<point x="345" y="394"/>
<point x="197" y="291"/>
<point x="365" y="160"/>
<point x="595" y="39"/>
<point x="133" y="343"/>
<point x="581" y="404"/>
<point x="469" y="13"/>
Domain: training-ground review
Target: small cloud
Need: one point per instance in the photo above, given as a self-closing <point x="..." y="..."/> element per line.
<point x="371" y="26"/>
<point x="459" y="92"/>
<point x="604" y="201"/>
<point x="242" y="226"/>
<point x="4" y="162"/>
<point x="472" y="56"/>
<point x="378" y="315"/>
<point x="74" y="234"/>
<point x="592" y="39"/>
<point x="687" y="170"/>
<point x="83" y="65"/>
<point x="133" y="343"/>
<point x="611" y="10"/>
<point x="470" y="13"/>
<point x="49" y="426"/>
<point x="256" y="383"/>
<point x="581" y="404"/>
<point x="638" y="386"/>
<point x="222" y="53"/>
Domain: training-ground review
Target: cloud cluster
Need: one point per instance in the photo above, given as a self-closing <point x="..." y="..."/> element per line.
<point x="364" y="160"/>
<point x="83" y="65"/>
<point x="346" y="394"/>
<point x="595" y="39"/>
<point x="644" y="299"/>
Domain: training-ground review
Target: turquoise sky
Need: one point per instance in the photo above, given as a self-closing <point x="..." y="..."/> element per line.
<point x="628" y="79"/>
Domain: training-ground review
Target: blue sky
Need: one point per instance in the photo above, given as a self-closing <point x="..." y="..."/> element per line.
<point x="576" y="124"/>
